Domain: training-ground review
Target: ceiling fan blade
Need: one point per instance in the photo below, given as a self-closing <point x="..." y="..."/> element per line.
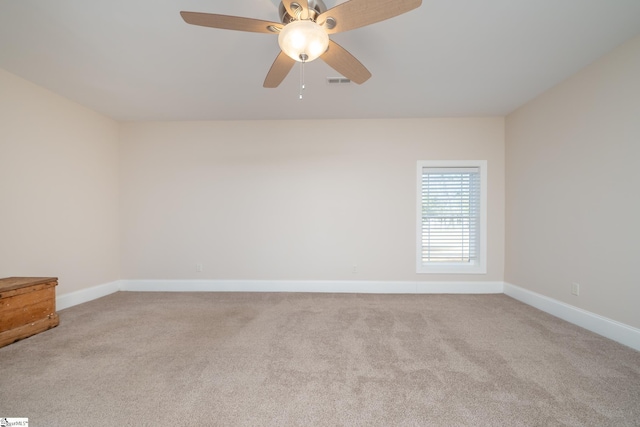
<point x="346" y="64"/>
<point x="279" y="70"/>
<point x="358" y="13"/>
<point x="227" y="22"/>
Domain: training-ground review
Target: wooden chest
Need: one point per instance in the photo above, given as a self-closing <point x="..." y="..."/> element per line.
<point x="27" y="307"/>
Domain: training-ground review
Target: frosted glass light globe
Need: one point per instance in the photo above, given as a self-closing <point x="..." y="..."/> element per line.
<point x="300" y="38"/>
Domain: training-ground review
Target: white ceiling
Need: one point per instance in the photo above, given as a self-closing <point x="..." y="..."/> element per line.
<point x="137" y="59"/>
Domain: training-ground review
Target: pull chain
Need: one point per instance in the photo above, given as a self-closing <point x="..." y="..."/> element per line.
<point x="303" y="57"/>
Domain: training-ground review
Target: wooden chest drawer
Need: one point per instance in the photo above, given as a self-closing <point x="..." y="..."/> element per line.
<point x="27" y="307"/>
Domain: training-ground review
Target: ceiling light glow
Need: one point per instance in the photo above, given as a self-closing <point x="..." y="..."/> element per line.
<point x="300" y="38"/>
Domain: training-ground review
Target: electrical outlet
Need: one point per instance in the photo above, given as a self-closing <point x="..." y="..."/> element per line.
<point x="575" y="289"/>
<point x="354" y="270"/>
<point x="199" y="268"/>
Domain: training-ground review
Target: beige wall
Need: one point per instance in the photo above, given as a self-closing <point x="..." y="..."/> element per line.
<point x="289" y="200"/>
<point x="573" y="189"/>
<point x="58" y="188"/>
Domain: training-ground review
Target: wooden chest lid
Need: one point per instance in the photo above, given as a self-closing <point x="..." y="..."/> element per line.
<point x="11" y="283"/>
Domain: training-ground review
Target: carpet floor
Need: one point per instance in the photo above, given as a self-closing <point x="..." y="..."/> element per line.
<point x="276" y="359"/>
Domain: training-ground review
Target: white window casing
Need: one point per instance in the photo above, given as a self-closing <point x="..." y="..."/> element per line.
<point x="452" y="216"/>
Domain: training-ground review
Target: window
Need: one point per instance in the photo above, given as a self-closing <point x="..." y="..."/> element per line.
<point x="452" y="217"/>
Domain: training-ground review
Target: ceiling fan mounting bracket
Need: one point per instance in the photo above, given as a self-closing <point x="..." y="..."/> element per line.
<point x="316" y="7"/>
<point x="329" y="23"/>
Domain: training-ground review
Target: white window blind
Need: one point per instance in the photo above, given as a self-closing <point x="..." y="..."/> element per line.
<point x="450" y="215"/>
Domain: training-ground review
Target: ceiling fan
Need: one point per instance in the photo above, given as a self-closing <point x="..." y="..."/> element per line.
<point x="303" y="34"/>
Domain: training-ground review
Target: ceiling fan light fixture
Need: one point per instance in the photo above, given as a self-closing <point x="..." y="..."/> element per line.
<point x="303" y="41"/>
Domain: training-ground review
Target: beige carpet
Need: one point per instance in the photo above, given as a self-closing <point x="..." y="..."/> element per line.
<point x="248" y="359"/>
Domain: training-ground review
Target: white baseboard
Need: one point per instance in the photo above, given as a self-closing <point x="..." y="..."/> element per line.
<point x="85" y="295"/>
<point x="319" y="286"/>
<point x="606" y="327"/>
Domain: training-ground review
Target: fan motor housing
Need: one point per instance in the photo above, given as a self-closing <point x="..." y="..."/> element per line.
<point x="316" y="7"/>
